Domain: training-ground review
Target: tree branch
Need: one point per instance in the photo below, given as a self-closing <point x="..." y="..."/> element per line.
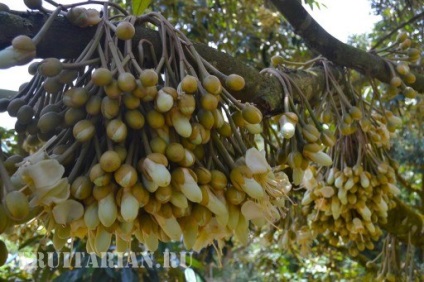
<point x="334" y="50"/>
<point x="64" y="40"/>
<point x="404" y="220"/>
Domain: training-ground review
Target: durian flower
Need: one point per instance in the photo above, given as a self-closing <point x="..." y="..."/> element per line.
<point x="190" y="188"/>
<point x="185" y="179"/>
<point x="67" y="211"/>
<point x="275" y="184"/>
<point x="209" y="233"/>
<point x="242" y="178"/>
<point x="170" y="226"/>
<point x="56" y="193"/>
<point x="78" y="228"/>
<point x="256" y="161"/>
<point x="304" y="238"/>
<point x="42" y="174"/>
<point x="319" y="157"/>
<point x="44" y="178"/>
<point x="156" y="172"/>
<point x="260" y="213"/>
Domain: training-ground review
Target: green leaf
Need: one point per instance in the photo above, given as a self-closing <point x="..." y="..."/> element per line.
<point x="139" y="6"/>
<point x="30" y="241"/>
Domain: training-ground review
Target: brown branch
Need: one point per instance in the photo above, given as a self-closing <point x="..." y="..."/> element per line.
<point x="64" y="40"/>
<point x="336" y="51"/>
<point x="4" y="93"/>
<point x="404" y="220"/>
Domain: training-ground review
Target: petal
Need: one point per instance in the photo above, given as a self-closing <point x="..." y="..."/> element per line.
<point x="150" y="185"/>
<point x="190" y="188"/>
<point x="170" y="226"/>
<point x="68" y="211"/>
<point x="256" y="161"/>
<point x="253" y="188"/>
<point x="43" y="174"/>
<point x="56" y="193"/>
<point x="251" y="210"/>
<point x="157" y="172"/>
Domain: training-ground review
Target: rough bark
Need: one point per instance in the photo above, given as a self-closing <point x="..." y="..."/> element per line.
<point x="336" y="51"/>
<point x="66" y="41"/>
<point x="406" y="223"/>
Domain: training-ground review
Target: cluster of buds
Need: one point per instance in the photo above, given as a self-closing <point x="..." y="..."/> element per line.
<point x="350" y="204"/>
<point x="159" y="154"/>
<point x="337" y="151"/>
<point x="401" y="57"/>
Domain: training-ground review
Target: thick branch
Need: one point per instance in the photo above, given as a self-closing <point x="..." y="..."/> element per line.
<point x="406" y="224"/>
<point x="63" y="40"/>
<point x="4" y="93"/>
<point x="334" y="50"/>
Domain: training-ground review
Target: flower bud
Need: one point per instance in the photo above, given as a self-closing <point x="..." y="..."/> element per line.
<point x="170" y="226"/>
<point x="126" y="176"/>
<point x="84" y="130"/>
<point x="154" y="168"/>
<point x="116" y="130"/>
<point x="320" y="158"/>
<point x="310" y="133"/>
<point x="185" y="180"/>
<point x="16" y="204"/>
<point x="129" y="206"/>
<point x="91" y="217"/>
<point x="102" y="240"/>
<point x="181" y="124"/>
<point x="98" y="176"/>
<point x="107" y="210"/>
<point x="163" y="101"/>
<point x="241" y="178"/>
<point x="234" y="82"/>
<point x="186" y="104"/>
<point x="288" y="130"/>
<point x="190" y="230"/>
<point x="251" y="114"/>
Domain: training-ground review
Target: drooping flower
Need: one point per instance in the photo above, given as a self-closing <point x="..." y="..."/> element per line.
<point x="156" y="171"/>
<point x="56" y="193"/>
<point x="209" y="233"/>
<point x="256" y="161"/>
<point x="44" y="178"/>
<point x="43" y="173"/>
<point x="242" y="178"/>
<point x="275" y="184"/>
<point x="68" y="211"/>
<point x="185" y="179"/>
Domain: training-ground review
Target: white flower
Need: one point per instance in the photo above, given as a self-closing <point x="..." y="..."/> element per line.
<point x="242" y="178"/>
<point x="44" y="178"/>
<point x="43" y="173"/>
<point x="68" y="211"/>
<point x="275" y="184"/>
<point x="56" y="193"/>
<point x="209" y="233"/>
<point x="257" y="211"/>
<point x="256" y="161"/>
<point x="157" y="172"/>
<point x="190" y="188"/>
